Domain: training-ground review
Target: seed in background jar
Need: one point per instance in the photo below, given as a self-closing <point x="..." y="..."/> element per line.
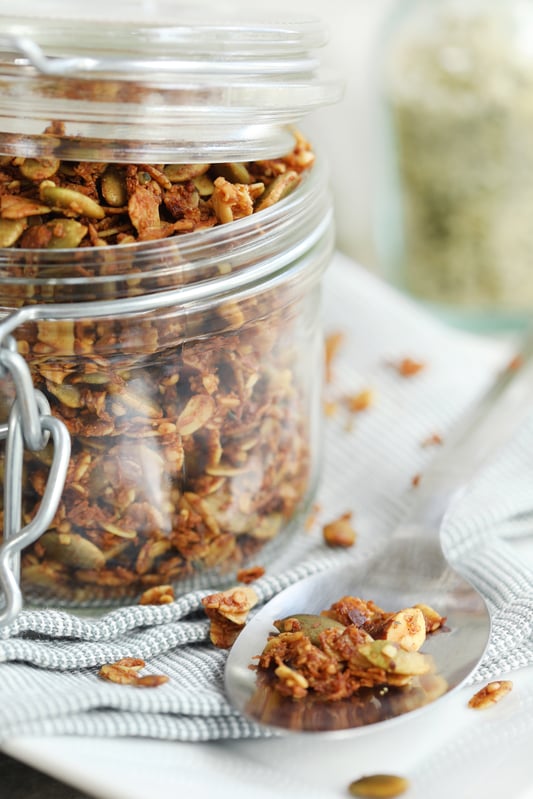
<point x="158" y="595"/>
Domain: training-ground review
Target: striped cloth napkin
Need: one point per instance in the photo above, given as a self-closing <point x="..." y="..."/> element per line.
<point x="49" y="658"/>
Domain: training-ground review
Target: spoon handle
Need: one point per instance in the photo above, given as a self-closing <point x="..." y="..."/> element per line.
<point x="483" y="430"/>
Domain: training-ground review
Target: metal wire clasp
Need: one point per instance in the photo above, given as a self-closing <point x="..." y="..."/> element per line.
<point x="30" y="425"/>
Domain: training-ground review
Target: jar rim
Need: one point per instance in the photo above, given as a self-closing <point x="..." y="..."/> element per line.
<point x="223" y="90"/>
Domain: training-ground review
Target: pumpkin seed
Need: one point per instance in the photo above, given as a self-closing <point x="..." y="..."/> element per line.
<point x="204" y="185"/>
<point x="114" y="188"/>
<point x="280" y="187"/>
<point x="179" y="173"/>
<point x="66" y="233"/>
<point x="234" y="172"/>
<point x="310" y="624"/>
<point x="379" y="786"/>
<point x="66" y="394"/>
<point x="39" y="168"/>
<point x="10" y="231"/>
<point x="72" y="550"/>
<point x="69" y="200"/>
<point x="388" y="656"/>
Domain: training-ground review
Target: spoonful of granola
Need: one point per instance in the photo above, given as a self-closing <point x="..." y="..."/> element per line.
<point x="367" y="642"/>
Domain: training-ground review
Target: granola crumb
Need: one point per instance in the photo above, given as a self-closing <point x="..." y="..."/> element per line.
<point x="332" y="343"/>
<point x="330" y="408"/>
<point x="312" y="517"/>
<point x="227" y="612"/>
<point x="407" y="367"/>
<point x="415" y="480"/>
<point x="515" y="363"/>
<point x="157" y="595"/>
<point x="125" y="672"/>
<point x="340" y="533"/>
<point x="360" y="401"/>
<point x="250" y="574"/>
<point x="432" y="440"/>
<point x="490" y="694"/>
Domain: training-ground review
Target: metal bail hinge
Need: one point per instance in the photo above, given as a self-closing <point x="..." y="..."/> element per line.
<point x="30" y="425"/>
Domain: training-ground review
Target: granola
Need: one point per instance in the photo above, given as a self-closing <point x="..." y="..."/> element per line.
<point x="51" y="204"/>
<point x="126" y="672"/>
<point x="352" y="665"/>
<point x="351" y="646"/>
<point x="228" y="611"/>
<point x="490" y="694"/>
<point x="340" y="532"/>
<point x="190" y="430"/>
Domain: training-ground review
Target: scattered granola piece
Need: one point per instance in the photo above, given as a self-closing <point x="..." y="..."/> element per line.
<point x="157" y="595"/>
<point x="312" y="516"/>
<point x="490" y="694"/>
<point x="379" y="786"/>
<point x="415" y="480"/>
<point x="250" y="574"/>
<point x="333" y="342"/>
<point x="340" y="533"/>
<point x="330" y="408"/>
<point x="361" y="401"/>
<point x="407" y="367"/>
<point x="125" y="672"/>
<point x="432" y="440"/>
<point x="515" y="363"/>
<point x="151" y="680"/>
<point x="228" y="611"/>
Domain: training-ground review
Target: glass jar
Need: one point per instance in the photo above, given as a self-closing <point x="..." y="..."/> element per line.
<point x="454" y="222"/>
<point x="186" y="369"/>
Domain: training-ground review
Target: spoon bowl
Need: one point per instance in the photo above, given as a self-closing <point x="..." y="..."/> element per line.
<point x="411" y="569"/>
<point x="456" y="648"/>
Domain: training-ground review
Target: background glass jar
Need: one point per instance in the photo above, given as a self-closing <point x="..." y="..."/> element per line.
<point x="185" y="369"/>
<point x="453" y="227"/>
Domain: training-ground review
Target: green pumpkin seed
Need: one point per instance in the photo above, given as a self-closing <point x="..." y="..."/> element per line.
<point x="310" y="624"/>
<point x="379" y="786"/>
<point x="66" y="394"/>
<point x="10" y="231"/>
<point x="179" y="173"/>
<point x="72" y="550"/>
<point x="39" y="168"/>
<point x="66" y="233"/>
<point x="392" y="658"/>
<point x="114" y="188"/>
<point x="234" y="172"/>
<point x="204" y="185"/>
<point x="69" y="200"/>
<point x="280" y="187"/>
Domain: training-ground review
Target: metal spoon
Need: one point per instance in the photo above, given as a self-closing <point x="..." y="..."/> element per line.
<point x="410" y="569"/>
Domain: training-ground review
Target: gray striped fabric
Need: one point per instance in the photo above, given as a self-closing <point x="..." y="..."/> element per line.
<point x="49" y="658"/>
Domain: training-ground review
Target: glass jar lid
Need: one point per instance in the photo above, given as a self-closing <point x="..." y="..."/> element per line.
<point x="156" y="80"/>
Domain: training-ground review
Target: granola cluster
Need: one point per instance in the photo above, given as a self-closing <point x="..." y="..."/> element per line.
<point x="51" y="204"/>
<point x="190" y="428"/>
<point x="353" y="645"/>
